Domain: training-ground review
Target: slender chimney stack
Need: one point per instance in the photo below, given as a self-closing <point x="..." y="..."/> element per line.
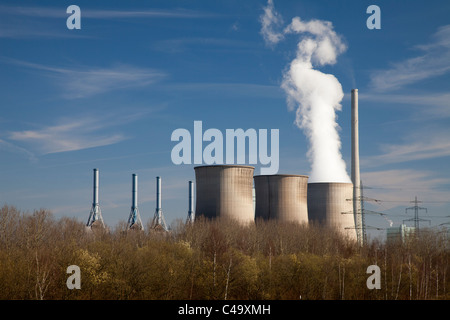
<point x="134" y="220"/>
<point x="356" y="179"/>
<point x="95" y="216"/>
<point x="158" y="194"/>
<point x="158" y="218"/>
<point x="95" y="201"/>
<point x="134" y="191"/>
<point x="191" y="215"/>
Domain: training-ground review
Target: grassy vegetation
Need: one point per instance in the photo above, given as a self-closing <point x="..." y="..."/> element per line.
<point x="211" y="260"/>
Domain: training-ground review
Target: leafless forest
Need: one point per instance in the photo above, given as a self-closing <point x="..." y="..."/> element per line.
<point x="211" y="260"/>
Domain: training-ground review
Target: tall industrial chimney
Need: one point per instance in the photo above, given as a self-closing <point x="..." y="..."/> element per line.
<point x="96" y="183"/>
<point x="191" y="214"/>
<point x="158" y="194"/>
<point x="95" y="216"/>
<point x="158" y="218"/>
<point x="134" y="220"/>
<point x="356" y="179"/>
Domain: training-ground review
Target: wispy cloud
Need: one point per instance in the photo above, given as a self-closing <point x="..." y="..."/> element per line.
<point x="398" y="187"/>
<point x="433" y="61"/>
<point x="24" y="31"/>
<point x="53" y="12"/>
<point x="38" y="25"/>
<point x="32" y="23"/>
<point x="423" y="144"/>
<point x="67" y="135"/>
<point x="270" y="21"/>
<point x="12" y="148"/>
<point x="149" y="13"/>
<point x="430" y="105"/>
<point x="88" y="81"/>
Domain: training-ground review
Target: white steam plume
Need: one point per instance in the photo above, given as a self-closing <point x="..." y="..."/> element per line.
<point x="389" y="220"/>
<point x="314" y="95"/>
<point x="271" y="19"/>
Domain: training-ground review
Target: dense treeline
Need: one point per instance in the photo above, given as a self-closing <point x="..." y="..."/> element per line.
<point x="211" y="260"/>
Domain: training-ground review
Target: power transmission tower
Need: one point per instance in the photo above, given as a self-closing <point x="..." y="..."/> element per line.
<point x="360" y="221"/>
<point x="416" y="218"/>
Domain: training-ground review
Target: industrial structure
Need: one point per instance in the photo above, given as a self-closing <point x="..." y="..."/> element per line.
<point x="416" y="218"/>
<point x="191" y="214"/>
<point x="95" y="219"/>
<point x="134" y="220"/>
<point x="282" y="197"/>
<point x="328" y="203"/>
<point x="158" y="222"/>
<point x="356" y="180"/>
<point x="225" y="191"/>
<point x="231" y="191"/>
<point x="399" y="234"/>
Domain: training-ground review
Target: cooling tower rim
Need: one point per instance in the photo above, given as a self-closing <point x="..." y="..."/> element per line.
<point x="329" y="183"/>
<point x="224" y="166"/>
<point x="281" y="175"/>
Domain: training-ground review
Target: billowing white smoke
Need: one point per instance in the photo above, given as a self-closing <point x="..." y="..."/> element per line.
<point x="314" y="95"/>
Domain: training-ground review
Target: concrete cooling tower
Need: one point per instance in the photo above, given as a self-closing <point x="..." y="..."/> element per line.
<point x="225" y="191"/>
<point x="282" y="197"/>
<point x="330" y="204"/>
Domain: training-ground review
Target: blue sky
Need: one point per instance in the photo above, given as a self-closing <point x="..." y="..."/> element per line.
<point x="109" y="96"/>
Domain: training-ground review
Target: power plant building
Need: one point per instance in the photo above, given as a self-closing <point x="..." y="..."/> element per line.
<point x="225" y="191"/>
<point x="282" y="197"/>
<point x="399" y="234"/>
<point x="331" y="204"/>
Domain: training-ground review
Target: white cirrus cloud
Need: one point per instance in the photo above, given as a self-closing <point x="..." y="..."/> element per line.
<point x="396" y="187"/>
<point x="426" y="105"/>
<point x="433" y="61"/>
<point x="81" y="82"/>
<point x="60" y="12"/>
<point x="270" y="21"/>
<point x="67" y="135"/>
<point x="427" y="143"/>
